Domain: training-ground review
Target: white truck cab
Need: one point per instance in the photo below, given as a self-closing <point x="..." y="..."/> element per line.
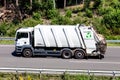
<point x="23" y="37"/>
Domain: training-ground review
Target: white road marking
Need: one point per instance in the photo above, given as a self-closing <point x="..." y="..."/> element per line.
<point x="95" y="62"/>
<point x="7" y="45"/>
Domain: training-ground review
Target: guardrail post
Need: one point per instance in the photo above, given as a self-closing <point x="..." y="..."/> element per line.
<point x="40" y="75"/>
<point x="17" y="75"/>
<point x="64" y="75"/>
<point x="113" y="75"/>
<point x="88" y="74"/>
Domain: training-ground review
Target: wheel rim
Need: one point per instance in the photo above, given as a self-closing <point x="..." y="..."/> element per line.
<point x="27" y="53"/>
<point x="66" y="54"/>
<point x="79" y="54"/>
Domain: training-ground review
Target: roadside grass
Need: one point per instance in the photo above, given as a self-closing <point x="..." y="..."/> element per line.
<point x="66" y="76"/>
<point x="7" y="42"/>
<point x="113" y="44"/>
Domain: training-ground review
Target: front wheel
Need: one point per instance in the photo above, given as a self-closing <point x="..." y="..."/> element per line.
<point x="27" y="53"/>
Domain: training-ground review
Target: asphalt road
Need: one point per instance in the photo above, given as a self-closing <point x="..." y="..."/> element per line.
<point x="111" y="61"/>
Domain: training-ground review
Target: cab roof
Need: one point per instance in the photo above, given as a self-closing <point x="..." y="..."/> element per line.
<point x="29" y="29"/>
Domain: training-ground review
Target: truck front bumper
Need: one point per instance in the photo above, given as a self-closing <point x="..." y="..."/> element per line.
<point x="18" y="49"/>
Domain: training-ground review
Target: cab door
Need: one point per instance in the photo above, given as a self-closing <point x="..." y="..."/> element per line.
<point x="22" y="39"/>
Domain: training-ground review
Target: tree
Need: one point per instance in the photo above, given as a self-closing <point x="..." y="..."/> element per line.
<point x="31" y="4"/>
<point x="76" y="2"/>
<point x="64" y="3"/>
<point x="111" y="17"/>
<point x="112" y="21"/>
<point x="54" y="4"/>
<point x="18" y="12"/>
<point x="5" y="4"/>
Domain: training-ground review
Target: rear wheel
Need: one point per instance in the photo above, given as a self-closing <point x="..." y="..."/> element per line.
<point x="79" y="54"/>
<point x="27" y="53"/>
<point x="66" y="54"/>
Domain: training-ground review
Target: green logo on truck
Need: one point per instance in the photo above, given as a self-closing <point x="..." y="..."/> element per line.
<point x="88" y="35"/>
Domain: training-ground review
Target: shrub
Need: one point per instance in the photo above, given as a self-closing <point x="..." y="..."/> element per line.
<point x="11" y="32"/>
<point x="97" y="3"/>
<point x="113" y="37"/>
<point x="79" y="14"/>
<point x="115" y="4"/>
<point x="15" y="21"/>
<point x="77" y="20"/>
<point x="98" y="25"/>
<point x="66" y="76"/>
<point x="52" y="13"/>
<point x="49" y="4"/>
<point x="112" y="21"/>
<point x="3" y="28"/>
<point x="61" y="20"/>
<point x="68" y="13"/>
<point x="105" y="10"/>
<point x="29" y="23"/>
<point x="36" y="6"/>
<point x="36" y="16"/>
<point x="88" y="13"/>
<point x="77" y="9"/>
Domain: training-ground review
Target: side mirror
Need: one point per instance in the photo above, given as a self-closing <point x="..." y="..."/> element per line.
<point x="15" y="39"/>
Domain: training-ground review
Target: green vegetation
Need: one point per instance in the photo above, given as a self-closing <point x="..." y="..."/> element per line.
<point x="113" y="44"/>
<point x="104" y="15"/>
<point x="7" y="42"/>
<point x="28" y="76"/>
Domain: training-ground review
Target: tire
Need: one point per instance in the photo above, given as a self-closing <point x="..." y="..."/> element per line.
<point x="66" y="54"/>
<point x="100" y="56"/>
<point x="79" y="54"/>
<point x="27" y="53"/>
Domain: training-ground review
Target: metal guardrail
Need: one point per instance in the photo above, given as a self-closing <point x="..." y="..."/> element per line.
<point x="60" y="71"/>
<point x="116" y="41"/>
<point x="12" y="38"/>
<point x="7" y="38"/>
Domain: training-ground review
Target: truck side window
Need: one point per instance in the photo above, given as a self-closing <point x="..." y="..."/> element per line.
<point x="22" y="35"/>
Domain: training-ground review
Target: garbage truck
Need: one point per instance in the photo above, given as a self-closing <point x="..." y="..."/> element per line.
<point x="67" y="41"/>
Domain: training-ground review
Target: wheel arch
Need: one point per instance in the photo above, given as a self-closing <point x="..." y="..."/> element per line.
<point x="28" y="47"/>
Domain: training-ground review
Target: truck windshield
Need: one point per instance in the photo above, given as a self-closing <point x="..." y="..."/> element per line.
<point x="21" y="35"/>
